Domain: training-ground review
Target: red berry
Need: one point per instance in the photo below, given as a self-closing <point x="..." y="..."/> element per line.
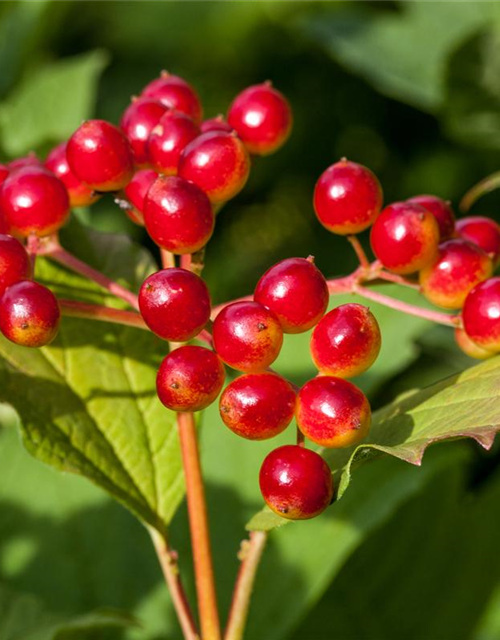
<point x="347" y="198"/>
<point x="258" y="406"/>
<point x="295" y="482"/>
<point x="175" y="93"/>
<point x="346" y="342"/>
<point x="296" y="291"/>
<point x="175" y="304"/>
<point x="458" y="267"/>
<point x="168" y="139"/>
<point x="247" y="336"/>
<point x="469" y="347"/>
<point x="33" y="200"/>
<point x="29" y="314"/>
<point x="441" y="210"/>
<point x="136" y="191"/>
<point x="215" y="124"/>
<point x="80" y="194"/>
<point x="218" y="163"/>
<point x="31" y="160"/>
<point x="262" y="118"/>
<point x="139" y="119"/>
<point x="481" y="314"/>
<point x="190" y="379"/>
<point x="405" y="237"/>
<point x="4" y="172"/>
<point x="178" y="215"/>
<point x="332" y="412"/>
<point x="100" y="155"/>
<point x="15" y="264"/>
<point x="483" y="232"/>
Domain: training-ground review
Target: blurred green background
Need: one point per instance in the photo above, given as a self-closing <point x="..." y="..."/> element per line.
<point x="410" y="89"/>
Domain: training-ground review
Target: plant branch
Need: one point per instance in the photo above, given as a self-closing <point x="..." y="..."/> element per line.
<point x="167" y="259"/>
<point x="198" y="524"/>
<point x="250" y="555"/>
<point x="360" y="252"/>
<point x="76" y="309"/>
<point x="168" y="562"/>
<point x="490" y="183"/>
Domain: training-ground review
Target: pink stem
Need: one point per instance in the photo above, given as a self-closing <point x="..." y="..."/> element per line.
<point x="167" y="259"/>
<point x="76" y="309"/>
<point x="360" y="252"/>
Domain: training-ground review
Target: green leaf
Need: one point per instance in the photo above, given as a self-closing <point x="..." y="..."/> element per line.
<point x="402" y="53"/>
<point x="465" y="405"/>
<point x="50" y="103"/>
<point x="88" y="402"/>
<point x="23" y="617"/>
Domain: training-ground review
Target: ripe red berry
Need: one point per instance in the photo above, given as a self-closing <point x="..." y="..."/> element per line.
<point x="469" y="347"/>
<point x="4" y="172"/>
<point x="168" y="139"/>
<point x="33" y="200"/>
<point x="80" y="194"/>
<point x="346" y="342"/>
<point x="257" y="406"/>
<point x="139" y="119"/>
<point x="178" y="215"/>
<point x="175" y="93"/>
<point x="14" y="262"/>
<point x="215" y="124"/>
<point x="29" y="314"/>
<point x="441" y="210"/>
<point x="31" y="160"/>
<point x="218" y="163"/>
<point x="295" y="482"/>
<point x="100" y="155"/>
<point x="481" y="314"/>
<point x="262" y="118"/>
<point x="247" y="336"/>
<point x="347" y="198"/>
<point x="296" y="291"/>
<point x="190" y="379"/>
<point x="483" y="232"/>
<point x="405" y="237"/>
<point x="458" y="267"/>
<point x="135" y="192"/>
<point x="175" y="304"/>
<point x="332" y="412"/>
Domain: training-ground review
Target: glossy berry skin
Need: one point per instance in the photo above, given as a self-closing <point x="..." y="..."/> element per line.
<point x="178" y="215"/>
<point x="139" y="119"/>
<point x="295" y="482"/>
<point x="346" y="342"/>
<point x="34" y="201"/>
<point x="175" y="304"/>
<point x="483" y="232"/>
<point x="218" y="163"/>
<point x="347" y="198"/>
<point x="469" y="347"/>
<point x="247" y="336"/>
<point x="15" y="264"/>
<point x="296" y="291"/>
<point x="481" y="314"/>
<point x="29" y="314"/>
<point x="190" y="378"/>
<point x="216" y="124"/>
<point x="459" y="266"/>
<point x="168" y="139"/>
<point x="262" y="118"/>
<point x="257" y="406"/>
<point x="405" y="237"/>
<point x="441" y="210"/>
<point x="175" y="93"/>
<point x="135" y="192"/>
<point x="31" y="160"/>
<point x="80" y="195"/>
<point x="332" y="412"/>
<point x="4" y="172"/>
<point x="100" y="155"/>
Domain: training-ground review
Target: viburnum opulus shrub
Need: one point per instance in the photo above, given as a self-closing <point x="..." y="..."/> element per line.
<point x="171" y="171"/>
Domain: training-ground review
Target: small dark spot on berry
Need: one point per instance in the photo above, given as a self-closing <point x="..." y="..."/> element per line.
<point x="261" y="326"/>
<point x="174" y="385"/>
<point x="283" y="509"/>
<point x="224" y="408"/>
<point x="25" y="325"/>
<point x="149" y="286"/>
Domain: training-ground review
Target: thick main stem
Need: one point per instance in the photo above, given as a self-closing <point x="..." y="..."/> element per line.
<point x="198" y="524"/>
<point x="250" y="555"/>
<point x="168" y="563"/>
<point x="76" y="309"/>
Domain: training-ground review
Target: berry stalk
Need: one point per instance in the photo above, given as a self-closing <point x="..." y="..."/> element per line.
<point x="198" y="524"/>
<point x="168" y="564"/>
<point x="167" y="259"/>
<point x="490" y="183"/>
<point x="76" y="309"/>
<point x="250" y="555"/>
